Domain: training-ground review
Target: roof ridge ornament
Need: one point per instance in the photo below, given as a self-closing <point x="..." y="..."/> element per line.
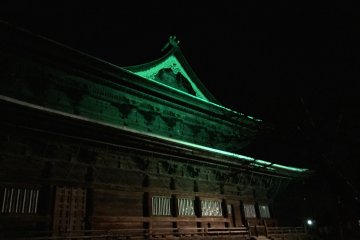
<point x="172" y="41"/>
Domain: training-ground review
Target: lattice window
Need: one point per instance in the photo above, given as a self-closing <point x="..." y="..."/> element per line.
<point x="19" y="200"/>
<point x="186" y="207"/>
<point x="161" y="206"/>
<point x="211" y="208"/>
<point x="264" y="211"/>
<point x="249" y="210"/>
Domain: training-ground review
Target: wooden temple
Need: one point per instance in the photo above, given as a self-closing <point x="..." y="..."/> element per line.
<point x="91" y="150"/>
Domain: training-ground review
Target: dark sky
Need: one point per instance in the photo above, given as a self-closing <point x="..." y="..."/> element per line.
<point x="295" y="67"/>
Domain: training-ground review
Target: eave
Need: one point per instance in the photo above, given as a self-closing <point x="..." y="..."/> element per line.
<point x="150" y="142"/>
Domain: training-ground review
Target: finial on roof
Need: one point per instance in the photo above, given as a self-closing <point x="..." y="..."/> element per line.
<point x="172" y="41"/>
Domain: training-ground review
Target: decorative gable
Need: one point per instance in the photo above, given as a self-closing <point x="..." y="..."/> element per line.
<point x="170" y="72"/>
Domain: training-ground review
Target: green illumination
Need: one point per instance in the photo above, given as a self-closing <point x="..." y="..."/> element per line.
<point x="201" y="99"/>
<point x="252" y="118"/>
<point x="175" y="65"/>
<point x="253" y="162"/>
<point x="263" y="162"/>
<point x="290" y="168"/>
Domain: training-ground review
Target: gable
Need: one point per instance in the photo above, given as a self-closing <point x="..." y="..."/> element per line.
<point x="171" y="73"/>
<point x="172" y="70"/>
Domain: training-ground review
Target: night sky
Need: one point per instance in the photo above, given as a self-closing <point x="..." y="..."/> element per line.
<point x="294" y="66"/>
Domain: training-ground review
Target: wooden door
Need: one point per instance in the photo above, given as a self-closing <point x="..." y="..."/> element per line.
<point x="69" y="209"/>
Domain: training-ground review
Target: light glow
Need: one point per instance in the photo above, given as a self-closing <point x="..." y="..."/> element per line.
<point x="310" y="222"/>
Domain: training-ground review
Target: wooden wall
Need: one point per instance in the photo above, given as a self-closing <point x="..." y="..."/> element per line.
<point x="117" y="182"/>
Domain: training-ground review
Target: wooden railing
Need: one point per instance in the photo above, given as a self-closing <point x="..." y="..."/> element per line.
<point x="261" y="230"/>
<point x="163" y="233"/>
<point x="285" y="230"/>
<point x="287" y="233"/>
<point x="158" y="233"/>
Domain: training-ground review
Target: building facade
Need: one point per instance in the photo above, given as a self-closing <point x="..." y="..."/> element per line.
<point x="88" y="146"/>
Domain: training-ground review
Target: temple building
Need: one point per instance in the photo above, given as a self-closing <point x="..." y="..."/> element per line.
<point x="88" y="148"/>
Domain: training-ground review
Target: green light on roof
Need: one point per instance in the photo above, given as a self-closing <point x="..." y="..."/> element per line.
<point x="195" y="97"/>
<point x="253" y="161"/>
<point x="175" y="65"/>
<point x="263" y="162"/>
<point x="262" y="166"/>
<point x="252" y="118"/>
<point x="290" y="168"/>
